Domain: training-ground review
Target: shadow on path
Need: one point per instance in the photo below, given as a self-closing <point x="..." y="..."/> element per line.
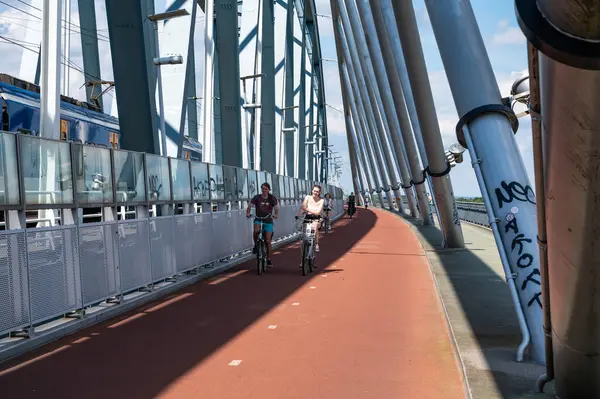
<point x="140" y="353"/>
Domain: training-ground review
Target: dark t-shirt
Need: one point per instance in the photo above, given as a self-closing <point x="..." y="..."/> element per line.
<point x="351" y="199"/>
<point x="264" y="206"/>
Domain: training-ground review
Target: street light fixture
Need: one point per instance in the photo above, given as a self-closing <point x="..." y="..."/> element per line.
<point x="158" y="61"/>
<point x="170" y="60"/>
<point x="519" y="93"/>
<point x="454" y="154"/>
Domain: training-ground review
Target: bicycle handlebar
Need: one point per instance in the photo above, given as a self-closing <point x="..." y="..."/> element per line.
<point x="261" y="217"/>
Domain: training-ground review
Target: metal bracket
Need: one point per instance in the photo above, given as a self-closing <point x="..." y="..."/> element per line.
<point x="485" y="109"/>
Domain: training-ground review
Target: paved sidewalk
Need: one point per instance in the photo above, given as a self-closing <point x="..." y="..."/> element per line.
<point x="481" y="313"/>
<point x="368" y="324"/>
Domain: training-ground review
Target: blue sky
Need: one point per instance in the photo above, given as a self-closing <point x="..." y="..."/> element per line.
<point x="506" y="47"/>
<point x="504" y="41"/>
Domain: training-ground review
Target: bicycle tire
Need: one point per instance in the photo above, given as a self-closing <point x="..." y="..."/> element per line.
<point x="259" y="257"/>
<point x="264" y="257"/>
<point x="305" y="258"/>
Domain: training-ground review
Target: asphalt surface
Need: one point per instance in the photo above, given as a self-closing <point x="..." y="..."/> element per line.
<point x="367" y="324"/>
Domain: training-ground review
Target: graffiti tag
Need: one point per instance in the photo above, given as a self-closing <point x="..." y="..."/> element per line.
<point x="520" y="242"/>
<point x="514" y="191"/>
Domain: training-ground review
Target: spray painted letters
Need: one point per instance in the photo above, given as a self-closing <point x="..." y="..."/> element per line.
<point x="521" y="244"/>
<point x="514" y="191"/>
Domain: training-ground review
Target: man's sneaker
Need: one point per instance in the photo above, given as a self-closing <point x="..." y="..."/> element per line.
<point x="269" y="263"/>
<point x="316" y="248"/>
<point x="254" y="249"/>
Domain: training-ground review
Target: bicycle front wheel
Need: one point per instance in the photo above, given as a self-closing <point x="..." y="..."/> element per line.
<point x="305" y="247"/>
<point x="260" y="257"/>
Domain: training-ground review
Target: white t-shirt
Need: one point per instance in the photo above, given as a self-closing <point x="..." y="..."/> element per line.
<point x="313" y="207"/>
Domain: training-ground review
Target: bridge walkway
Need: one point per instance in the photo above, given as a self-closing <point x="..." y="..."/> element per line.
<point x="367" y="324"/>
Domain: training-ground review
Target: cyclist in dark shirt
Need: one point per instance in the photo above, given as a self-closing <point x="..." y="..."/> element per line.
<point x="351" y="204"/>
<point x="265" y="204"/>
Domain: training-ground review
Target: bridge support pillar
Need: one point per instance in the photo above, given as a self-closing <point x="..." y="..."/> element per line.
<point x="377" y="74"/>
<point x="132" y="48"/>
<point x="566" y="33"/>
<point x="419" y="81"/>
<point x="89" y="49"/>
<point x="491" y="127"/>
<point x="366" y="92"/>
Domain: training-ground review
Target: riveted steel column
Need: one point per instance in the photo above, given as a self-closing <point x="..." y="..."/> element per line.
<point x="566" y="34"/>
<point x="407" y="140"/>
<point x="89" y="49"/>
<point x="268" y="159"/>
<point x="135" y="78"/>
<point x="229" y="81"/>
<point x="208" y="150"/>
<point x="417" y="71"/>
<point x="288" y="112"/>
<point x="312" y="130"/>
<point x="302" y="107"/>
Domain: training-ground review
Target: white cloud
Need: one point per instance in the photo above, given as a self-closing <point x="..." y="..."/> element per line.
<point x="508" y="35"/>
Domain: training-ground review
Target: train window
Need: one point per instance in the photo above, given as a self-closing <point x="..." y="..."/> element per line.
<point x="114" y="140"/>
<point x="64" y="129"/>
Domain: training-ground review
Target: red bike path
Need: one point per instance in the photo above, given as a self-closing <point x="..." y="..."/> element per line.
<point x="367" y="324"/>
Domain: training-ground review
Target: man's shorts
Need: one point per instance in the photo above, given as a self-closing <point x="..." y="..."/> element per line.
<point x="267" y="227"/>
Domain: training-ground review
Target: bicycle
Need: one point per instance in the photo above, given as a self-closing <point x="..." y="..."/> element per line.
<point x="261" y="246"/>
<point x="326" y="221"/>
<point x="308" y="243"/>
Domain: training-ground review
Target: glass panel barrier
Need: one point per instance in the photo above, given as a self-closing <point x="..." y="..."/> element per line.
<point x="93" y="175"/>
<point x="9" y="177"/>
<point x="275" y="185"/>
<point x="129" y="176"/>
<point x="46" y="166"/>
<point x="180" y="176"/>
<point x="158" y="179"/>
<point x="269" y="179"/>
<point x="200" y="181"/>
<point x="252" y="184"/>
<point x="242" y="183"/>
<point x="229" y="183"/>
<point x="261" y="177"/>
<point x="282" y="187"/>
<point x="217" y="186"/>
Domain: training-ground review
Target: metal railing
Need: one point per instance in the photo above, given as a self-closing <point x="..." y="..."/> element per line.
<point x="184" y="216"/>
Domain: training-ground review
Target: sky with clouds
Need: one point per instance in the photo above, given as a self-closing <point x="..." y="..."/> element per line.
<point x="505" y="44"/>
<point x="507" y="49"/>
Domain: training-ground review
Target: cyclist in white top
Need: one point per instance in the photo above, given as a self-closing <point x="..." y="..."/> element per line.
<point x="313" y="205"/>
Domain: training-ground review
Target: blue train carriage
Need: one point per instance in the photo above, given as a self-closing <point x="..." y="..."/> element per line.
<point x="80" y="122"/>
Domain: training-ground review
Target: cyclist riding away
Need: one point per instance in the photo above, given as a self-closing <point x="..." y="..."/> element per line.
<point x="265" y="204"/>
<point x="313" y="206"/>
<point x="327" y="206"/>
<point x="351" y="204"/>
